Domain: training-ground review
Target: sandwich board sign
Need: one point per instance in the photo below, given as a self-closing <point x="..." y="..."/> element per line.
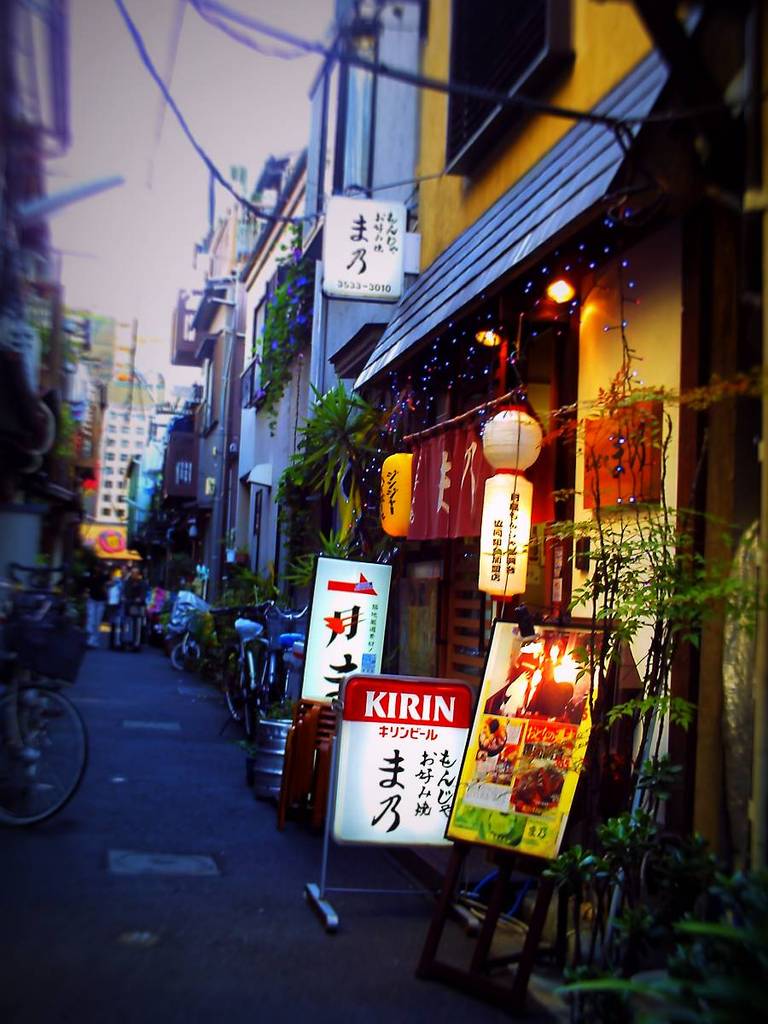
<point x="400" y="746"/>
<point x="348" y="615"/>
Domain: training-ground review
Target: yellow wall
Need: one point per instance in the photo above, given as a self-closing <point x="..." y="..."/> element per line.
<point x="653" y="332"/>
<point x="608" y="42"/>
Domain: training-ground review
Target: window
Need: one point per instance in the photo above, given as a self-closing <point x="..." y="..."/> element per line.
<point x="106" y="510"/>
<point x="110" y="442"/>
<point x="520" y="47"/>
<point x="108" y="484"/>
<point x="124" y="457"/>
<point x="358" y="137"/>
<point x="110" y="456"/>
<point x="208" y="418"/>
<point x="108" y="471"/>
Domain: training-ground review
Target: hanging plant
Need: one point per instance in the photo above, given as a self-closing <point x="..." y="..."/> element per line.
<point x="287" y="326"/>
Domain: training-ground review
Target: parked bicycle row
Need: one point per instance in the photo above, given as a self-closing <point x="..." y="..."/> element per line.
<point x="260" y="652"/>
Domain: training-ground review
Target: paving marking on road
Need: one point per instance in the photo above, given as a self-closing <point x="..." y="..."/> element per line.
<point x="199" y="692"/>
<point x="130" y="723"/>
<point x="144" y="940"/>
<point x="133" y="862"/>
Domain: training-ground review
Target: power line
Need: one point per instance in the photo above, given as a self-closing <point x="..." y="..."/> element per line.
<point x="170" y="64"/>
<point x="249" y="41"/>
<point x="212" y="168"/>
<point x="208" y="8"/>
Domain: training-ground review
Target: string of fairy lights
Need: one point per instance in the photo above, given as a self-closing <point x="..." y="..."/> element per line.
<point x="455" y="362"/>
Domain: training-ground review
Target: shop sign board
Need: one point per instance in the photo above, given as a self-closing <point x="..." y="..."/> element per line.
<point x="348" y="615"/>
<point x="363" y="242"/>
<point x="527" y="743"/>
<point x="401" y="741"/>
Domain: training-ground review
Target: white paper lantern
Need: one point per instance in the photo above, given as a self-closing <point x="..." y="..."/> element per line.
<point x="504" y="535"/>
<point x="512" y="440"/>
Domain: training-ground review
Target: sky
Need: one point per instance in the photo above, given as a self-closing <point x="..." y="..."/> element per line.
<point x="128" y="251"/>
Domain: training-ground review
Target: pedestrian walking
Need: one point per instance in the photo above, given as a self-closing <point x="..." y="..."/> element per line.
<point x="95" y="604"/>
<point x="135" y="606"/>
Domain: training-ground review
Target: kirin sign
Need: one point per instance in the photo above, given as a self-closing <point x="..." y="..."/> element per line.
<point x="401" y="742"/>
<point x="346" y="627"/>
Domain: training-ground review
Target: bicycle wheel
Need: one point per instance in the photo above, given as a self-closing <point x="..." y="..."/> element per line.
<point x="37" y="782"/>
<point x="178" y="655"/>
<point x="193" y="655"/>
<point x="231" y="685"/>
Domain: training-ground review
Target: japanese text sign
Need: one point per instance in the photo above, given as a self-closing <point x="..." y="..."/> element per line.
<point x="363" y="243"/>
<point x="346" y="626"/>
<point x="401" y="740"/>
<point x="527" y="743"/>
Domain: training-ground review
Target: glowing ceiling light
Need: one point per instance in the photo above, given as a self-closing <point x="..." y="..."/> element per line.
<point x="561" y="290"/>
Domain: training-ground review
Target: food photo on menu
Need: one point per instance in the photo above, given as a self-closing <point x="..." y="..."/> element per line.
<point x="519" y="765"/>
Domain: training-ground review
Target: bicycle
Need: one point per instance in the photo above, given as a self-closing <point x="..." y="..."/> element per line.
<point x="254" y="672"/>
<point x="187" y="653"/>
<point x="43" y="741"/>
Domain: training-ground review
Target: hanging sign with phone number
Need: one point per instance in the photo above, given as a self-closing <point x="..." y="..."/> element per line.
<point x="363" y="243"/>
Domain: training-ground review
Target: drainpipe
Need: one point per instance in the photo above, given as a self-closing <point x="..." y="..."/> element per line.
<point x="222" y="439"/>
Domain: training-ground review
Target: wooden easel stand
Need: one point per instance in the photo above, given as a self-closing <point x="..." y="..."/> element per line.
<point x="476" y="979"/>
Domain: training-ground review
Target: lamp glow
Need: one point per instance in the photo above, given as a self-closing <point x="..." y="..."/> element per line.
<point x="561" y="291"/>
<point x="490" y="338"/>
<point x="511" y="443"/>
<point x="395" y="505"/>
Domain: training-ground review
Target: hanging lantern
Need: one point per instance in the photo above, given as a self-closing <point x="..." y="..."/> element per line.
<point x="395" y="504"/>
<point x="511" y="443"/>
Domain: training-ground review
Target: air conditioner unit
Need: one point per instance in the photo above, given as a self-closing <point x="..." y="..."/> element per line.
<point x="210" y="486"/>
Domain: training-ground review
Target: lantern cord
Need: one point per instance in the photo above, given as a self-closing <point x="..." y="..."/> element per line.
<point x="438" y="428"/>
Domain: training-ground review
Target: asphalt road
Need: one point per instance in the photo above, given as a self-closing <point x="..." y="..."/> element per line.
<point x="90" y="932"/>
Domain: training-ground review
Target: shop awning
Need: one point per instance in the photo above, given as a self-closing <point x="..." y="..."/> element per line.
<point x="575" y="175"/>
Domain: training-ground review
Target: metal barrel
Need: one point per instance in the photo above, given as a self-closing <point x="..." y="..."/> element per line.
<point x="269" y="756"/>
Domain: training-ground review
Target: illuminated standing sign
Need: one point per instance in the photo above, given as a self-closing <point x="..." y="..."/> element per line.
<point x="346" y="627"/>
<point x="527" y="743"/>
<point x="401" y="742"/>
<point x="363" y="249"/>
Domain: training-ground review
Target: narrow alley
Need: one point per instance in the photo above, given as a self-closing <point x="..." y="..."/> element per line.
<point x="164" y="892"/>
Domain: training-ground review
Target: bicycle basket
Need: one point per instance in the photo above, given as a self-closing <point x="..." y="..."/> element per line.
<point x="51" y="647"/>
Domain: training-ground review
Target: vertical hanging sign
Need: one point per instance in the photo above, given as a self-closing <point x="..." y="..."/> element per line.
<point x="363" y="249"/>
<point x="346" y="626"/>
<point x="401" y="741"/>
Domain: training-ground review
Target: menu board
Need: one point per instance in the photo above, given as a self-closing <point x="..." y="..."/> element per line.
<point x="527" y="742"/>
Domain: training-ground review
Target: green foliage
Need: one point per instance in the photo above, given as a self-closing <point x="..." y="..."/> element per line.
<point x="287" y="327"/>
<point x="281" y="710"/>
<point x="335" y="544"/>
<point x="338" y="443"/>
<point x="66" y="433"/>
<point x="340" y="432"/>
<point x="242" y="586"/>
<point x="716" y="973"/>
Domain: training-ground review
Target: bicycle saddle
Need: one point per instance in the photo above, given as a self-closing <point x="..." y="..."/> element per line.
<point x="289" y="639"/>
<point x="247" y="629"/>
